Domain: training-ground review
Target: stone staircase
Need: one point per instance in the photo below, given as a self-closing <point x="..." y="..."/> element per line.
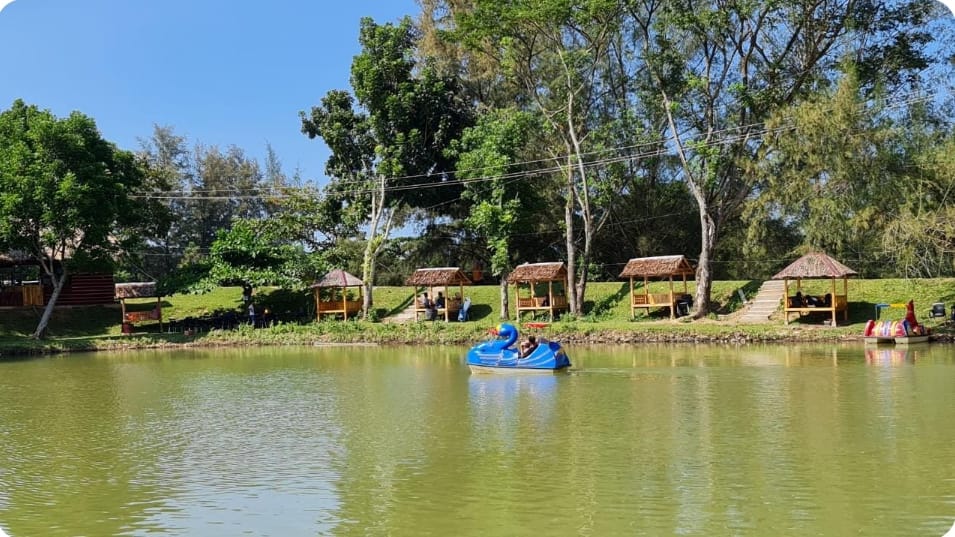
<point x="765" y="303"/>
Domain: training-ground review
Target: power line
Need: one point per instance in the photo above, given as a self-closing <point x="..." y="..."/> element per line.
<point x="657" y="151"/>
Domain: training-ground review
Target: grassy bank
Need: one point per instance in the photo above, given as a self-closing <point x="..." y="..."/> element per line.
<point x="607" y="319"/>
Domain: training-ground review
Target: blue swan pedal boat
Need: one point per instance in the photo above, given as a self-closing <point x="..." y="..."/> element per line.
<point x="500" y="355"/>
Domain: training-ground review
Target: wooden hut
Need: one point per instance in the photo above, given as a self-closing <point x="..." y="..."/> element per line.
<point x="527" y="279"/>
<point x="335" y="286"/>
<point x="23" y="284"/>
<point x="138" y="290"/>
<point x="816" y="266"/>
<point x="442" y="278"/>
<point x="665" y="266"/>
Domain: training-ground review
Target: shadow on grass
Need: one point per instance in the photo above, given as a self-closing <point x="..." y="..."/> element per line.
<point x="606" y="304"/>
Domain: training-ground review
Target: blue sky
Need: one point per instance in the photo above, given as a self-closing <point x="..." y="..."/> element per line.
<point x="219" y="71"/>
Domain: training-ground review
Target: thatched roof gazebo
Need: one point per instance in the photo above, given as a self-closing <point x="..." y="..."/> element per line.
<point x="529" y="276"/>
<point x="664" y="266"/>
<point x="441" y="277"/>
<point x="138" y="290"/>
<point x="336" y="301"/>
<point x="816" y="266"/>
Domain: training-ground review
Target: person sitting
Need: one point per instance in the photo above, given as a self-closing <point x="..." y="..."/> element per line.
<point x="813" y="301"/>
<point x="430" y="312"/>
<point x="439" y="302"/>
<point x="528" y="346"/>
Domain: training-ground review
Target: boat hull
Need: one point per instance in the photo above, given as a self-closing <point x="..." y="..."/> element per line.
<point x="512" y="370"/>
<point x="906" y="340"/>
<point x="879" y="340"/>
<point x="548" y="357"/>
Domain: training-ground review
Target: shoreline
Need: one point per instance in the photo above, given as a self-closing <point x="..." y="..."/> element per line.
<point x="418" y="335"/>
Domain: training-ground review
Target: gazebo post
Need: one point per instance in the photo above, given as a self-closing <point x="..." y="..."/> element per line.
<point x="672" y="304"/>
<point x="550" y="299"/>
<point x="633" y="310"/>
<point x="344" y="293"/>
<point x="832" y="303"/>
<point x="786" y="299"/>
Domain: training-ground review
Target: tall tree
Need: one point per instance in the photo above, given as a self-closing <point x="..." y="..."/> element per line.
<point x="488" y="158"/>
<point x="387" y="142"/>
<point x="64" y="191"/>
<point x="721" y="67"/>
<point x="559" y="54"/>
<point x="170" y="165"/>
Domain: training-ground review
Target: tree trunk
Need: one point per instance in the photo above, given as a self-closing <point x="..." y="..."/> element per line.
<point x="569" y="205"/>
<point x="374" y="244"/>
<point x="505" y="311"/>
<point x="704" y="276"/>
<point x="58" y="284"/>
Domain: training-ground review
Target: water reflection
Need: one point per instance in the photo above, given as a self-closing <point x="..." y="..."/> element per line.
<point x="889" y="356"/>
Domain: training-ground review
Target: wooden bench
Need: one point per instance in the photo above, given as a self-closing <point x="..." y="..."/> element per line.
<point x="335" y="307"/>
<point x="539" y="303"/>
<point x="154" y="314"/>
<point x="840" y="303"/>
<point x="449" y="311"/>
<point x="654" y="300"/>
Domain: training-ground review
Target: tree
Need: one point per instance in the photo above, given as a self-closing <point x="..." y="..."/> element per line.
<point x="64" y="191"/>
<point x="387" y="142"/>
<point x="257" y="254"/>
<point x="560" y="55"/>
<point x="501" y="207"/>
<point x="721" y="68"/>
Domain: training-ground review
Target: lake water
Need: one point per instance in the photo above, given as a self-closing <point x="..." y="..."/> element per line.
<point x="644" y="440"/>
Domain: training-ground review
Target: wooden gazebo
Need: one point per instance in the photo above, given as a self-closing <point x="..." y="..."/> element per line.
<point x="137" y="290"/>
<point x="665" y="266"/>
<point x="528" y="276"/>
<point x="441" y="277"/>
<point x="336" y="302"/>
<point x="817" y="266"/>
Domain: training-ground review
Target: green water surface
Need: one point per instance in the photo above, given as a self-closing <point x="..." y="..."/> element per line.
<point x="645" y="440"/>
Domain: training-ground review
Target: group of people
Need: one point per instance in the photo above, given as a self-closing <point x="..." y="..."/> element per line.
<point x="431" y="307"/>
<point x="810" y="301"/>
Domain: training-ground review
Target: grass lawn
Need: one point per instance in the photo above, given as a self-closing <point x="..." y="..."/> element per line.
<point x="606" y="318"/>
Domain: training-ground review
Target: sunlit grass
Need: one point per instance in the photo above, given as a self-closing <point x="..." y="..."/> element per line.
<point x="607" y="318"/>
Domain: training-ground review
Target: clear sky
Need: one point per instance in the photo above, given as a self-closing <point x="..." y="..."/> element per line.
<point x="220" y="72"/>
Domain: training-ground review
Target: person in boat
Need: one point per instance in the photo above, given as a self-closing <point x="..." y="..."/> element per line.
<point x="528" y="346"/>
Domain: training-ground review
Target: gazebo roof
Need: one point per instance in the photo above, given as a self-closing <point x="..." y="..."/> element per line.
<point x="338" y="278"/>
<point x="438" y="276"/>
<point x="538" y="272"/>
<point x="663" y="265"/>
<point x="136" y="290"/>
<point x="815" y="265"/>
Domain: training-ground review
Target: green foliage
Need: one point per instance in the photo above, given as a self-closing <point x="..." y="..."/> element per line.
<point x="259" y="255"/>
<point x="67" y="192"/>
